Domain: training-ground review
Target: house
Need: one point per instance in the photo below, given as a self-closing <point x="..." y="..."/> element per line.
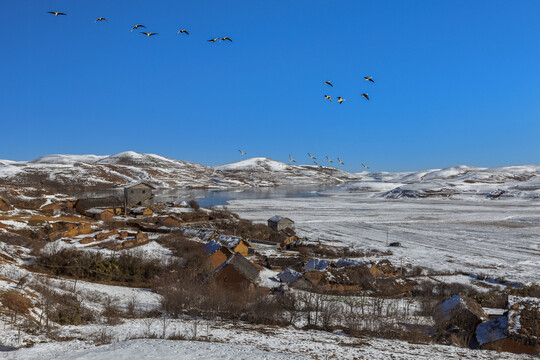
<point x="110" y="203"/>
<point x="201" y="234"/>
<point x="344" y="262"/>
<point x="278" y="223"/>
<point x="283" y="237"/>
<point x="236" y="270"/>
<point x="459" y="315"/>
<point x="218" y="257"/>
<point x="137" y="194"/>
<point x="234" y="243"/>
<point x="101" y="214"/>
<point x="517" y="331"/>
<point x="141" y="211"/>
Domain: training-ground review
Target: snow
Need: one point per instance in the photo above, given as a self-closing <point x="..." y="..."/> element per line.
<point x="496" y="239"/>
<point x="67" y="159"/>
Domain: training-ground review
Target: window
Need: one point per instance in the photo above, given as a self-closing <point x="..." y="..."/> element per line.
<point x="132" y="191"/>
<point x="144" y="191"/>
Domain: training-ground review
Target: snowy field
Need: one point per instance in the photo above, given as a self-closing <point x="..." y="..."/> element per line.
<point x="239" y="341"/>
<point x="497" y="238"/>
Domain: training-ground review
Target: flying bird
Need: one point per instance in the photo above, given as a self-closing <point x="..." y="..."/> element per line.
<point x="225" y="38"/>
<point x="290" y="157"/>
<point x="329" y="83"/>
<point x="328" y="97"/>
<point x="148" y="34"/>
<point x="340" y="99"/>
<point x="369" y="78"/>
<point x="101" y="19"/>
<point x="311" y="156"/>
<point x="316" y="163"/>
<point x="137" y="26"/>
<point x="366" y="96"/>
<point x="341" y="162"/>
<point x="242" y="153"/>
<point x="367" y="167"/>
<point x="213" y="40"/>
<point x="329" y="160"/>
<point x="182" y="31"/>
<point x="56" y="13"/>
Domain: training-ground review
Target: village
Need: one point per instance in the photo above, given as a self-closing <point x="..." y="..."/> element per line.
<point x="272" y="275"/>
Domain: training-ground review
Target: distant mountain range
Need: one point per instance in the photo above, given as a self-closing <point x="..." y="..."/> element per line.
<point x="91" y="172"/>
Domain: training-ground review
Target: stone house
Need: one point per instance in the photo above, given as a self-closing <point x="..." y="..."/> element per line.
<point x="137" y="194"/>
<point x="278" y="223"/>
<point x="141" y="211"/>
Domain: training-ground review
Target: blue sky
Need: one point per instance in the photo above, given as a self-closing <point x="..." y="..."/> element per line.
<point x="456" y="82"/>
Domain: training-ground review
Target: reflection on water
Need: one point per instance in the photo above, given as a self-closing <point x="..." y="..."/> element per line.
<point x="208" y="198"/>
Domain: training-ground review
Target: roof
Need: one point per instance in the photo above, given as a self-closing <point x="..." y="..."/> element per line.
<point x="212" y="246"/>
<point x="242" y="265"/>
<point x="139" y="210"/>
<point x="229" y="241"/>
<point x="492" y="330"/>
<point x="201" y="234"/>
<point x="288" y="275"/>
<point x="343" y="262"/>
<point x="277" y="218"/>
<point x="106" y="202"/>
<point x="137" y="184"/>
<point x="317" y="264"/>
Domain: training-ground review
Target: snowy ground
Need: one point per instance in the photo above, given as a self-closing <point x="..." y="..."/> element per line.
<point x="498" y="238"/>
<point x="237" y="341"/>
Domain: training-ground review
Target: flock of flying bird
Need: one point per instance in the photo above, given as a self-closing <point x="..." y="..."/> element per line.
<point x="340" y="99"/>
<point x="147" y="34"/>
<point x="313" y="158"/>
<point x="226" y="38"/>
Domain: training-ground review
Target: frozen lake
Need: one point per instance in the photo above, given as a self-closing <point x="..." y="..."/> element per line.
<point x="497" y="238"/>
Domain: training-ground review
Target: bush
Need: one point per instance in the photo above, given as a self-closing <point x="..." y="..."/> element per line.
<point x="194" y="204"/>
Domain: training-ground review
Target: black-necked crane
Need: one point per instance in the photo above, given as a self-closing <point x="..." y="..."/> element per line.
<point x="369" y="78"/>
<point x="340" y="99"/>
<point x="56" y="13"/>
<point x="329" y="83"/>
<point x="290" y="157"/>
<point x="365" y="166"/>
<point x="148" y="34"/>
<point x="213" y="40"/>
<point x="366" y="96"/>
<point x="329" y="160"/>
<point x="328" y="97"/>
<point x="242" y="153"/>
<point x="341" y="162"/>
<point x="183" y="31"/>
<point x="225" y="38"/>
<point x="311" y="156"/>
<point x="137" y="26"/>
<point x="101" y="19"/>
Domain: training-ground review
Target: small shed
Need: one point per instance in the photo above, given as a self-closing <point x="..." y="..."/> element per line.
<point x="138" y="194"/>
<point x="317" y="264"/>
<point x="278" y="223"/>
<point x="218" y="257"/>
<point x="288" y="276"/>
<point x="171" y="222"/>
<point x="101" y="214"/>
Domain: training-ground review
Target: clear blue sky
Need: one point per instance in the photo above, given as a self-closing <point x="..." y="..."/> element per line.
<point x="457" y="82"/>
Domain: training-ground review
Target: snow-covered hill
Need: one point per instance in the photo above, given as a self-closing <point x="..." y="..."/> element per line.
<point x="93" y="172"/>
<point x="455" y="182"/>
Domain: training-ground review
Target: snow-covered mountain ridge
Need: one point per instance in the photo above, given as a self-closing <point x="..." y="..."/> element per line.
<point x="520" y="182"/>
<point x="93" y="172"/>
